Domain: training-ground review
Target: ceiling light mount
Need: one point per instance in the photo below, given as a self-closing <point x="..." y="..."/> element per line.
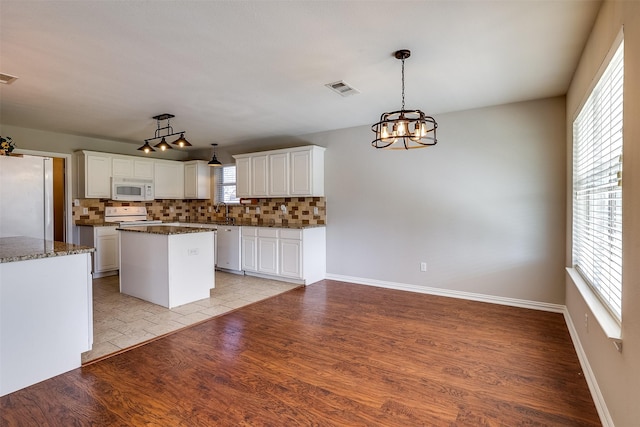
<point x="404" y="129"/>
<point x="163" y="132"/>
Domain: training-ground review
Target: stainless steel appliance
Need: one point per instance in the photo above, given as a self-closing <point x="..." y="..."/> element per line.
<point x="128" y="215"/>
<point x="26" y="197"/>
<point x="132" y="189"/>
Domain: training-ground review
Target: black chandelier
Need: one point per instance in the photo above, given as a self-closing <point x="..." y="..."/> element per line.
<point x="163" y="145"/>
<point x="404" y="129"/>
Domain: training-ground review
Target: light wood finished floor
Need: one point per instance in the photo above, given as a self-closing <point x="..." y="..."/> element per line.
<point x="121" y="321"/>
<point x="331" y="354"/>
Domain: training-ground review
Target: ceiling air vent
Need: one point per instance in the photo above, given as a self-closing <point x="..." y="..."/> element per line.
<point x="7" y="79"/>
<point x="342" y="88"/>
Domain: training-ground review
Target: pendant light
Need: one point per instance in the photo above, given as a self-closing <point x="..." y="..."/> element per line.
<point x="162" y="132"/>
<point x="404" y="129"/>
<point x="214" y="162"/>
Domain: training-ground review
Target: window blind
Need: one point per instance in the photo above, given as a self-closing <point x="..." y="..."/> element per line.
<point x="226" y="184"/>
<point x="597" y="187"/>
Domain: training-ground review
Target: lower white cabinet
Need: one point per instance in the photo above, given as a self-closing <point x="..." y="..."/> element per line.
<point x="297" y="255"/>
<point x="106" y="240"/>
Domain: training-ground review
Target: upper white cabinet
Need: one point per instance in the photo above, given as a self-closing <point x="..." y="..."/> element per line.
<point x="93" y="175"/>
<point x="295" y="172"/>
<point x="131" y="167"/>
<point x="243" y="177"/>
<point x="197" y="180"/>
<point x="259" y="175"/>
<point x="168" y="179"/>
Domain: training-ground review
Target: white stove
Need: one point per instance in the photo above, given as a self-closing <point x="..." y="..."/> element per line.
<point x="128" y="216"/>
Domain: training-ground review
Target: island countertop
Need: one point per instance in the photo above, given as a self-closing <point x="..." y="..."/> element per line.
<point x="22" y="248"/>
<point x="164" y="229"/>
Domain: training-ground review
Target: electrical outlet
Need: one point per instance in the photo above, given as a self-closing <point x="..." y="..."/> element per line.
<point x="423" y="266"/>
<point x="586" y="322"/>
<point x="283" y="208"/>
<point x="258" y="209"/>
<point x="246" y="209"/>
<point x="171" y="209"/>
<point x="76" y="202"/>
<point x="210" y="209"/>
<point x="315" y="210"/>
<point x="85" y="211"/>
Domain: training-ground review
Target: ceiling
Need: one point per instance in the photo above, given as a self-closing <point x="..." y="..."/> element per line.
<point x="235" y="71"/>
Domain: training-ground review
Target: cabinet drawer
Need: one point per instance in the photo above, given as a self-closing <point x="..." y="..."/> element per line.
<point x="106" y="231"/>
<point x="249" y="231"/>
<point x="294" y="234"/>
<point x="268" y="232"/>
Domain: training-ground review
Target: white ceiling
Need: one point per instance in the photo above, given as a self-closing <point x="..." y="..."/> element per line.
<point x="232" y="71"/>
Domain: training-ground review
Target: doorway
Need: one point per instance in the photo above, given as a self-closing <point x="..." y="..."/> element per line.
<point x="59" y="185"/>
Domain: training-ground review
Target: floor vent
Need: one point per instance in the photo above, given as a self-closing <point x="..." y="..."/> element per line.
<point x="342" y="88"/>
<point x="7" y="79"/>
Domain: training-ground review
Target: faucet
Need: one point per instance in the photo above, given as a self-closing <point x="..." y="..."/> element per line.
<point x="226" y="206"/>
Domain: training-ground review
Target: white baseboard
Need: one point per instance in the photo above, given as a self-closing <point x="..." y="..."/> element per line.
<point x="596" y="395"/>
<point x="535" y="305"/>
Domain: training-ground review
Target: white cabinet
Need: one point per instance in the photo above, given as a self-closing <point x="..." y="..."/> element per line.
<point x="143" y="168"/>
<point x="259" y="176"/>
<point x="106" y="258"/>
<point x="93" y="175"/>
<point x="168" y="179"/>
<point x="249" y="249"/>
<point x="290" y="253"/>
<point x="267" y="251"/>
<point x="279" y="174"/>
<point x="197" y="180"/>
<point x="307" y="171"/>
<point x="296" y="255"/>
<point x="295" y="172"/>
<point x="122" y="167"/>
<point x="228" y="247"/>
<point x="243" y="177"/>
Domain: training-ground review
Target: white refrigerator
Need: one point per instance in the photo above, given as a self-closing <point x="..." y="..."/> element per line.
<point x="26" y="197"/>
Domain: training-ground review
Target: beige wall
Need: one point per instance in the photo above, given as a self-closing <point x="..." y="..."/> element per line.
<point x="617" y="374"/>
<point x="484" y="208"/>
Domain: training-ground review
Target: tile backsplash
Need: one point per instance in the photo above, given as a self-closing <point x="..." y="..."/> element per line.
<point x="300" y="210"/>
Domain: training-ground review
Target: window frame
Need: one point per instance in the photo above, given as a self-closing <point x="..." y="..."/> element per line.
<point x="220" y="185"/>
<point x="604" y="307"/>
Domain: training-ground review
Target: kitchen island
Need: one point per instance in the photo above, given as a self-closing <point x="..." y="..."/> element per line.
<point x="167" y="265"/>
<point x="46" y="311"/>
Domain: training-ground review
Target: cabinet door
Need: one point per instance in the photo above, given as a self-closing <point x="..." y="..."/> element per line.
<point x="267" y="255"/>
<point x="191" y="181"/>
<point x="143" y="169"/>
<point x="249" y="258"/>
<point x="169" y="180"/>
<point x="291" y="258"/>
<point x="259" y="176"/>
<point x="98" y="176"/>
<point x="301" y="174"/>
<point x="122" y="167"/>
<point x="243" y="177"/>
<point x="279" y="174"/>
<point x="107" y="249"/>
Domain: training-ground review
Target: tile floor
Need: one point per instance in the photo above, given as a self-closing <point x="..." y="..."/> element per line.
<point x="121" y="321"/>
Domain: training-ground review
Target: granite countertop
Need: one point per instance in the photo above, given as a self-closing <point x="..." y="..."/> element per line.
<point x="96" y="223"/>
<point x="294" y="225"/>
<point x="165" y="229"/>
<point x="22" y="248"/>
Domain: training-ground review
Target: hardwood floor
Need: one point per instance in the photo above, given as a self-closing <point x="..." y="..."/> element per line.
<point x="332" y="354"/>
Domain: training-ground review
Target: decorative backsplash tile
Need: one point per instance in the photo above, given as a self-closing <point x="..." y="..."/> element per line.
<point x="298" y="210"/>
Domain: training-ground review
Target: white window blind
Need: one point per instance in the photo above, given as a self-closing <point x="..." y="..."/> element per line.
<point x="226" y="184"/>
<point x="597" y="187"/>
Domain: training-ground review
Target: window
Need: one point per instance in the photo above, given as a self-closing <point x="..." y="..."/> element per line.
<point x="597" y="187"/>
<point x="226" y="184"/>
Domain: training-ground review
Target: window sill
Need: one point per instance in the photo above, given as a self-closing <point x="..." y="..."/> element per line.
<point x="607" y="322"/>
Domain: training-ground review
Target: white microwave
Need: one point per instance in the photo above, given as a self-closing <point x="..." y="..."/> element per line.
<point x="132" y="189"/>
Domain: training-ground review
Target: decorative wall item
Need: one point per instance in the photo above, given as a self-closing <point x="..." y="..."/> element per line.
<point x="6" y="145"/>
